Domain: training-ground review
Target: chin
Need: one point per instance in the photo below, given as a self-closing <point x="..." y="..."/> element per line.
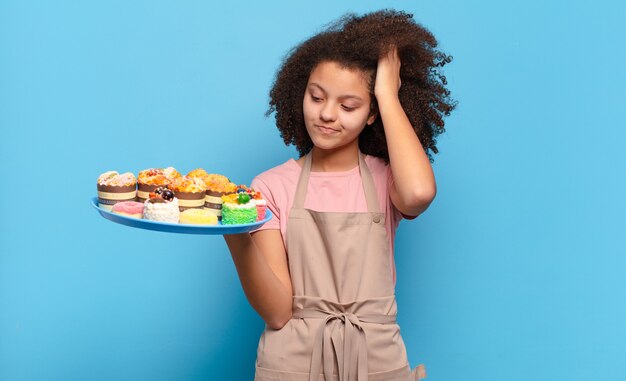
<point x="326" y="145"/>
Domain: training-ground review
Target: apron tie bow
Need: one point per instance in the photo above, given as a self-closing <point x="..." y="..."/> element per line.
<point x="349" y="350"/>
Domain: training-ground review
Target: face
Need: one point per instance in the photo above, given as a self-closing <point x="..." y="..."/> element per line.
<point x="336" y="105"/>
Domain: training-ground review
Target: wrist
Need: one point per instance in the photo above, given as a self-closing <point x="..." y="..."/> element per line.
<point x="387" y="98"/>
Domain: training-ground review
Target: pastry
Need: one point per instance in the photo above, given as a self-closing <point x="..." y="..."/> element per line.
<point x="238" y="208"/>
<point x="129" y="209"/>
<point x="161" y="206"/>
<point x="216" y="186"/>
<point x="114" y="188"/>
<point x="261" y="204"/>
<point x="190" y="192"/>
<point x="198" y="217"/>
<point x="150" y="179"/>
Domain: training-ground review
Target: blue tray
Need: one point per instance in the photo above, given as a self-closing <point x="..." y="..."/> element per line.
<point x="179" y="228"/>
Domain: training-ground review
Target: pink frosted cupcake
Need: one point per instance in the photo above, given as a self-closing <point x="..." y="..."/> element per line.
<point x="261" y="208"/>
<point x="129" y="209"/>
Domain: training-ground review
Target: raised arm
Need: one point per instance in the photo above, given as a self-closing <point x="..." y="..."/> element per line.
<point x="414" y="185"/>
<point x="261" y="263"/>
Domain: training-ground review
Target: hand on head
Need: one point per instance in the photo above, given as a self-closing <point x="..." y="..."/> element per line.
<point x="388" y="74"/>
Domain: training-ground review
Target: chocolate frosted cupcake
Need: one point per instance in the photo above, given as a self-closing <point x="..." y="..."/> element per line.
<point x="150" y="179"/>
<point x="114" y="188"/>
<point x="190" y="192"/>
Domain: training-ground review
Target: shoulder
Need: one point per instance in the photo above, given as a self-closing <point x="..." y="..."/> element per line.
<point x="376" y="164"/>
<point x="279" y="173"/>
<point x="278" y="181"/>
<point x="379" y="169"/>
<point x="381" y="172"/>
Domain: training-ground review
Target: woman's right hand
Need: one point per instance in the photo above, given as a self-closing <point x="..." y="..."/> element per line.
<point x="261" y="262"/>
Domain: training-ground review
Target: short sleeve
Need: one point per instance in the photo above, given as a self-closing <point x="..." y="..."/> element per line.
<point x="260" y="186"/>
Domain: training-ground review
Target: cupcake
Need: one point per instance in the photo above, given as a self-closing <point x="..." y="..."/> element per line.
<point x="129" y="209"/>
<point x="261" y="204"/>
<point x="198" y="217"/>
<point x="199" y="173"/>
<point x="190" y="192"/>
<point x="217" y="186"/>
<point x="238" y="208"/>
<point x="171" y="173"/>
<point x="161" y="206"/>
<point x="114" y="188"/>
<point x="150" y="179"/>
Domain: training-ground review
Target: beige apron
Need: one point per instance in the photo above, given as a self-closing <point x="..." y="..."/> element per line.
<point x="344" y="308"/>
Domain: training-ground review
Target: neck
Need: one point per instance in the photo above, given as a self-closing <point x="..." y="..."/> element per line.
<point x="336" y="160"/>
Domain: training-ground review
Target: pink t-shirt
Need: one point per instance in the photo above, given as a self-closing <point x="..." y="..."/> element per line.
<point x="327" y="192"/>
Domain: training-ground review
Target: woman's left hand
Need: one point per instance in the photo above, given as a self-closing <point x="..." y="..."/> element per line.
<point x="388" y="75"/>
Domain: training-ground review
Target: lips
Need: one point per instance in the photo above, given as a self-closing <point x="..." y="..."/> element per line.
<point x="326" y="130"/>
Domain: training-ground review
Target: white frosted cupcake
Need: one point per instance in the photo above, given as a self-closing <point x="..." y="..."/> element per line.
<point x="162" y="206"/>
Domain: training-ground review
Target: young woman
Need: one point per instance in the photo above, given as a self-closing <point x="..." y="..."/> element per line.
<point x="363" y="102"/>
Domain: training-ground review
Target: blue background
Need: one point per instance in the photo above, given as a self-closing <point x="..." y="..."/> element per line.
<point x="516" y="272"/>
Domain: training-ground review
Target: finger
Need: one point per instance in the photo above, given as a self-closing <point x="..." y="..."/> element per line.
<point x="390" y="54"/>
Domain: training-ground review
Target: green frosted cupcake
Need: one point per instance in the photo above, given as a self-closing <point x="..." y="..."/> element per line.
<point x="238" y="208"/>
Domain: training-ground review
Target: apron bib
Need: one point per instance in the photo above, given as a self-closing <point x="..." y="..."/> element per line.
<point x="344" y="307"/>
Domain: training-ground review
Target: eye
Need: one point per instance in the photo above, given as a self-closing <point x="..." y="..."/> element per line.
<point x="347" y="108"/>
<point x="315" y="99"/>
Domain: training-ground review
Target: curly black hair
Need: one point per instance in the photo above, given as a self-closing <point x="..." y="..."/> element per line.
<point x="357" y="42"/>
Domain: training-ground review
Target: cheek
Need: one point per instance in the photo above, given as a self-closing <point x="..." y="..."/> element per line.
<point x="355" y="121"/>
<point x="308" y="109"/>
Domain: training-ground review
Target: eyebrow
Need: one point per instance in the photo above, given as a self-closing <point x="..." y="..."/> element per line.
<point x="341" y="96"/>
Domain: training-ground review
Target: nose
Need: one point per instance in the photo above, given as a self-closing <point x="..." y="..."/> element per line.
<point x="328" y="113"/>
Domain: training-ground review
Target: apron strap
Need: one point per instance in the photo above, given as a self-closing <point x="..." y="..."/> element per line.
<point x="366" y="178"/>
<point x="368" y="186"/>
<point x="303" y="182"/>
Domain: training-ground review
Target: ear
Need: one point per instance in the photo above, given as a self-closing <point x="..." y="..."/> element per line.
<point x="371" y="119"/>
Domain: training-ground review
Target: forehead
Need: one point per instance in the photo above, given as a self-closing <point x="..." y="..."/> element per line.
<point x="336" y="79"/>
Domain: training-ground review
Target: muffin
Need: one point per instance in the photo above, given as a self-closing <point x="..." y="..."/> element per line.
<point x="190" y="192"/>
<point x="150" y="179"/>
<point x="217" y="186"/>
<point x="114" y="188"/>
